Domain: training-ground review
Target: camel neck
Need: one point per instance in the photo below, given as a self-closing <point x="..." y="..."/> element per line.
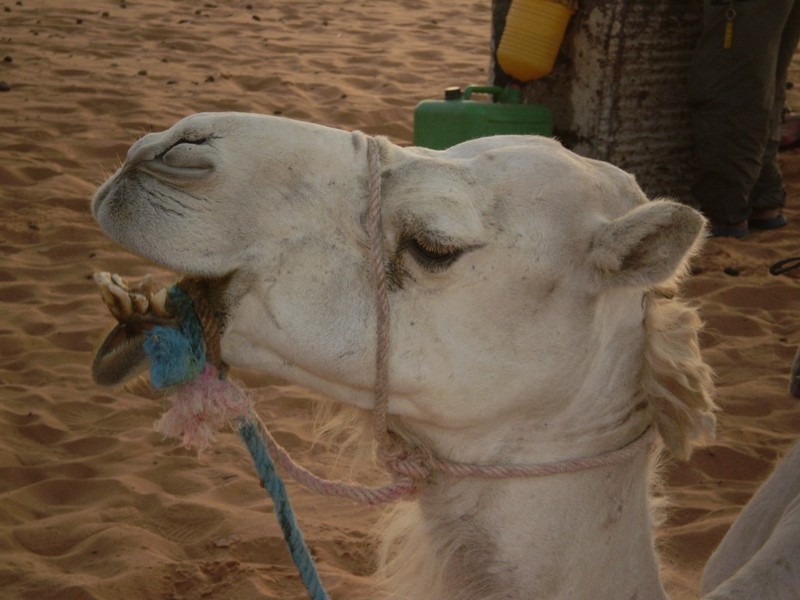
<point x="572" y="536"/>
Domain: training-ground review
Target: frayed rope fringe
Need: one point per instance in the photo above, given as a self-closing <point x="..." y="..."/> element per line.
<point x="202" y="407"/>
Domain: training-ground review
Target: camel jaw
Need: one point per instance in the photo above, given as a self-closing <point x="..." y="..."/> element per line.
<point x="138" y="310"/>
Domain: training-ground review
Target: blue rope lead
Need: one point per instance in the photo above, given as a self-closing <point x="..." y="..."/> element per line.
<point x="283" y="510"/>
<point x="177" y="355"/>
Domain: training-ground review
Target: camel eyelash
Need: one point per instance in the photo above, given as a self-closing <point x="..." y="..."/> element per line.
<point x="431" y="255"/>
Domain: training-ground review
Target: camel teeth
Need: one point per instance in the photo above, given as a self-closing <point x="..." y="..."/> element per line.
<point x="116" y="313"/>
<point x="122" y="300"/>
<point x="119" y="281"/>
<point x="102" y="278"/>
<point x="103" y="281"/>
<point x="158" y="303"/>
<point x="145" y="287"/>
<point x="140" y="303"/>
<point x="107" y="296"/>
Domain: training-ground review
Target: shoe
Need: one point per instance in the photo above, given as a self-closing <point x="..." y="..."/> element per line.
<point x="767" y="218"/>
<point x="789" y="130"/>
<point x="737" y="230"/>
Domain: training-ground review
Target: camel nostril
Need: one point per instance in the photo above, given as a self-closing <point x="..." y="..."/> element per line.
<point x="198" y="141"/>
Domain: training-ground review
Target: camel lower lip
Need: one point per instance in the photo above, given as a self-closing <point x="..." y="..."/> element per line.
<point x="122" y="354"/>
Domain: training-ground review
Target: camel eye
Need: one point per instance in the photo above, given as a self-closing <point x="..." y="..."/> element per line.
<point x="432" y="256"/>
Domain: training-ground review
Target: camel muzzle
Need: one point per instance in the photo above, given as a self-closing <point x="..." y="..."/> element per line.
<point x="139" y="312"/>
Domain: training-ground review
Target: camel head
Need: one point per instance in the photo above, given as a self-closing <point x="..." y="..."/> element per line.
<point x="519" y="272"/>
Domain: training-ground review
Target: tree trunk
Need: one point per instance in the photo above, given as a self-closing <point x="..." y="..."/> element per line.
<point x="618" y="89"/>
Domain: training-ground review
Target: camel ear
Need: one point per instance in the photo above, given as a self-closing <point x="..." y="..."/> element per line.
<point x="648" y="245"/>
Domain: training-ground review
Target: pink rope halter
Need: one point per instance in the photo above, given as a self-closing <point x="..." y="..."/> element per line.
<point x="408" y="469"/>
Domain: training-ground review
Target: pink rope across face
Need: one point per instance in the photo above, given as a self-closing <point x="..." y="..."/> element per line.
<point x="390" y="448"/>
<point x="378" y="263"/>
<point x="399" y="458"/>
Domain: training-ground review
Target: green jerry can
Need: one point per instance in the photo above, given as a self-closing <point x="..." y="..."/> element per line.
<point x="439" y="124"/>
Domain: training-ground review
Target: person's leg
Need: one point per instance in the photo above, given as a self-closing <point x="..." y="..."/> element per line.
<point x="732" y="91"/>
<point x="788" y="46"/>
<point x="768" y="196"/>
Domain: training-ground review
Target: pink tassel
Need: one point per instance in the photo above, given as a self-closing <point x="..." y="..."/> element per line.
<point x="202" y="407"/>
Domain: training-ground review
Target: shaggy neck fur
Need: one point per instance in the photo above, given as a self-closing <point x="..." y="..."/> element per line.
<point x="456" y="542"/>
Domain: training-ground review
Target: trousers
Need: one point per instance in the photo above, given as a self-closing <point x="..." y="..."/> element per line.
<point x="736" y="90"/>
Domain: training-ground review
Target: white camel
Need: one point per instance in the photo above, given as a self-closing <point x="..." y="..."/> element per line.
<point x="533" y="320"/>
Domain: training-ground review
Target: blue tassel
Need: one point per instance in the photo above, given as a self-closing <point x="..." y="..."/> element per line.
<point x="177" y="354"/>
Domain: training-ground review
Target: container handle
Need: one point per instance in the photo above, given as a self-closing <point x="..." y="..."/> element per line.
<point x="508" y="95"/>
<point x="494" y="90"/>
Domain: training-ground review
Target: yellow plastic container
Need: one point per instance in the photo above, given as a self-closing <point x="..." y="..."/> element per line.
<point x="532" y="36"/>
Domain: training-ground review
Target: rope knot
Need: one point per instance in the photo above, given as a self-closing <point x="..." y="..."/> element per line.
<point x="402" y="460"/>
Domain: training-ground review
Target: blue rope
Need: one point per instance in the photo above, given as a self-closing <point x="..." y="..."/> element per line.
<point x="283" y="509"/>
<point x="177" y="355"/>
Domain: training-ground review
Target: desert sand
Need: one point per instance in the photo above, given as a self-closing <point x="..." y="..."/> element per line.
<point x="93" y="503"/>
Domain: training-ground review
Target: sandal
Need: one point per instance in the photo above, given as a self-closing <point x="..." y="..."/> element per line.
<point x="784" y="266"/>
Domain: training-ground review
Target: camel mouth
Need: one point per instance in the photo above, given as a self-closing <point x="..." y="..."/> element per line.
<point x="122" y="354"/>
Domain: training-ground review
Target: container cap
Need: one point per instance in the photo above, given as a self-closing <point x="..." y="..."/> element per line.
<point x="511" y="95"/>
<point x="452" y="93"/>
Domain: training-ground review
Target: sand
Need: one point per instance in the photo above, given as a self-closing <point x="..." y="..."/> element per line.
<point x="93" y="503"/>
